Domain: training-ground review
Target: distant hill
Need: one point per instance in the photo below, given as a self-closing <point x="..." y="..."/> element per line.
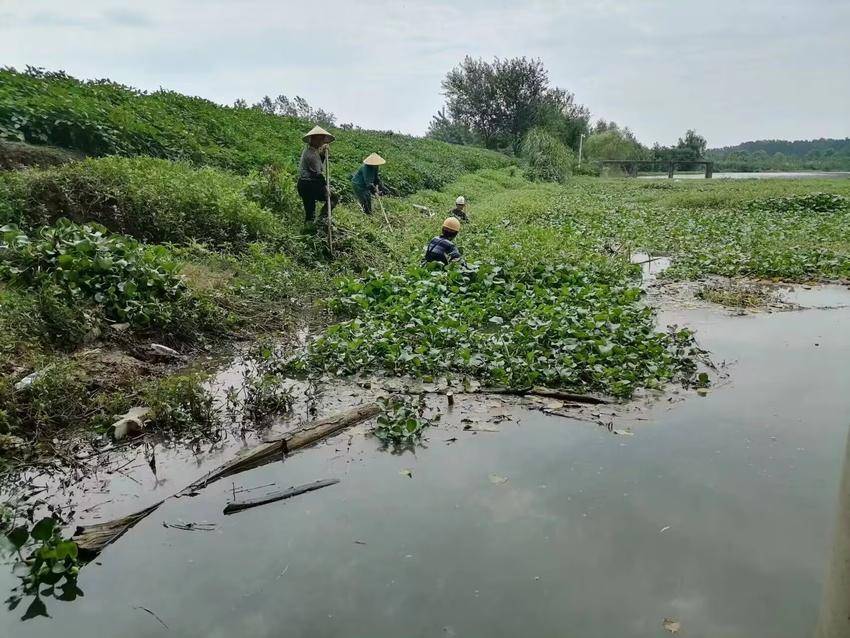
<point x="797" y="148"/>
<point x="782" y="155"/>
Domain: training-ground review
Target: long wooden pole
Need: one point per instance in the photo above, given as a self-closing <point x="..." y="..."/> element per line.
<point x="328" y="195"/>
<point x="381" y="204"/>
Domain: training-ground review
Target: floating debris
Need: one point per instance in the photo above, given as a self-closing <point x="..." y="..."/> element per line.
<point x="133" y="422"/>
<point x="673" y="626"/>
<point x="238" y="506"/>
<point x="191" y="527"/>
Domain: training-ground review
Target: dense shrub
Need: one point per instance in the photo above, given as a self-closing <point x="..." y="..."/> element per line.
<point x="87" y="265"/>
<point x="103" y="118"/>
<point x="548" y="159"/>
<point x="56" y="399"/>
<point x="274" y="190"/>
<point x="152" y="200"/>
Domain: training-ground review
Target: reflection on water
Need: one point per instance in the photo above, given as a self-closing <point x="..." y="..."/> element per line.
<point x="650" y="265"/>
<point x="717" y="513"/>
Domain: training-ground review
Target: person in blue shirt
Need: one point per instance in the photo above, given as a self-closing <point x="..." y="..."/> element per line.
<point x="367" y="181"/>
<point x="442" y="248"/>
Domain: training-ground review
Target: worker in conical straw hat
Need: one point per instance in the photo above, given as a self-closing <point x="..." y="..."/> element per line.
<point x="312" y="184"/>
<point x="459" y="210"/>
<point x="442" y="248"/>
<point x="367" y="181"/>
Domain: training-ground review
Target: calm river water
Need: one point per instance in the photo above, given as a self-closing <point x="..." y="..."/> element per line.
<point x="717" y="513"/>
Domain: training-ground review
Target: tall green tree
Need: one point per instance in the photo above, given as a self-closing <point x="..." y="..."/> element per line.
<point x="694" y="143"/>
<point x="614" y="144"/>
<point x="445" y="129"/>
<point x="689" y="148"/>
<point x="502" y="100"/>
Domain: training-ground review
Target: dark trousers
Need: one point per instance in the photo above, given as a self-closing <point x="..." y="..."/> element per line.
<point x="365" y="199"/>
<point x="312" y="191"/>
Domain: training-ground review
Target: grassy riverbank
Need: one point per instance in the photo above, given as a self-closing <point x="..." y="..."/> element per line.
<point x="106" y="259"/>
<point x="194" y="258"/>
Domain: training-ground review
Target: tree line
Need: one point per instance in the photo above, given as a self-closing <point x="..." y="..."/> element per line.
<point x="822" y="154"/>
<point x="509" y="105"/>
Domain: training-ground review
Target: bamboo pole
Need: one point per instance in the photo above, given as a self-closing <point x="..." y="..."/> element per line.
<point x="381" y="204"/>
<point x="328" y="196"/>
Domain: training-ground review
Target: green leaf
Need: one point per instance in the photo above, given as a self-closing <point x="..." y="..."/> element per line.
<point x="43" y="529"/>
<point x="18" y="536"/>
<point x="66" y="549"/>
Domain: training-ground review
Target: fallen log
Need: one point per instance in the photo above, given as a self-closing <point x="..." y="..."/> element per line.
<point x="93" y="539"/>
<point x="552" y="393"/>
<point x="238" y="506"/>
<point x="275" y="449"/>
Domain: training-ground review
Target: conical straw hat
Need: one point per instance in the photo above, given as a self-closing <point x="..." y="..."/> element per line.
<point x="374" y="160"/>
<point x="317" y="130"/>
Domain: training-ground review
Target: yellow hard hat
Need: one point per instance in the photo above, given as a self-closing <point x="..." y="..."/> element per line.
<point x="452" y="223"/>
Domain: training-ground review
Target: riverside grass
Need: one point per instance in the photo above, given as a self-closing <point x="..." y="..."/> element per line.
<point x="537" y="308"/>
<point x="559" y="234"/>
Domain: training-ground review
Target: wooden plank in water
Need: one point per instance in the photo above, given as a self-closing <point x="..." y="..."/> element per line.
<point x="238" y="506"/>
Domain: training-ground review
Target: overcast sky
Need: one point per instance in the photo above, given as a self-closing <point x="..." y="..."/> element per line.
<point x="734" y="70"/>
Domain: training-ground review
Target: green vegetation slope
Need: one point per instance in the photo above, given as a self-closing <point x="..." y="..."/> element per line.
<point x="104" y="118"/>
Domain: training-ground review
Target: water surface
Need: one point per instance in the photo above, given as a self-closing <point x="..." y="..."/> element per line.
<point x="717" y="512"/>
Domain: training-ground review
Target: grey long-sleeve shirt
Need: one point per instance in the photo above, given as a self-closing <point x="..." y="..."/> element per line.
<point x="312" y="164"/>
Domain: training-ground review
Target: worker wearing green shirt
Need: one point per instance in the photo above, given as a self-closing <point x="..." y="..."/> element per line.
<point x="367" y="181"/>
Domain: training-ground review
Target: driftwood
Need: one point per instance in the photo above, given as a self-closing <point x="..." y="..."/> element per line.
<point x="552" y="393"/>
<point x="238" y="506"/>
<point x="276" y="449"/>
<point x="93" y="539"/>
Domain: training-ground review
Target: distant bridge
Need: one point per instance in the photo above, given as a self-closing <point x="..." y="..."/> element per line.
<point x="631" y="166"/>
